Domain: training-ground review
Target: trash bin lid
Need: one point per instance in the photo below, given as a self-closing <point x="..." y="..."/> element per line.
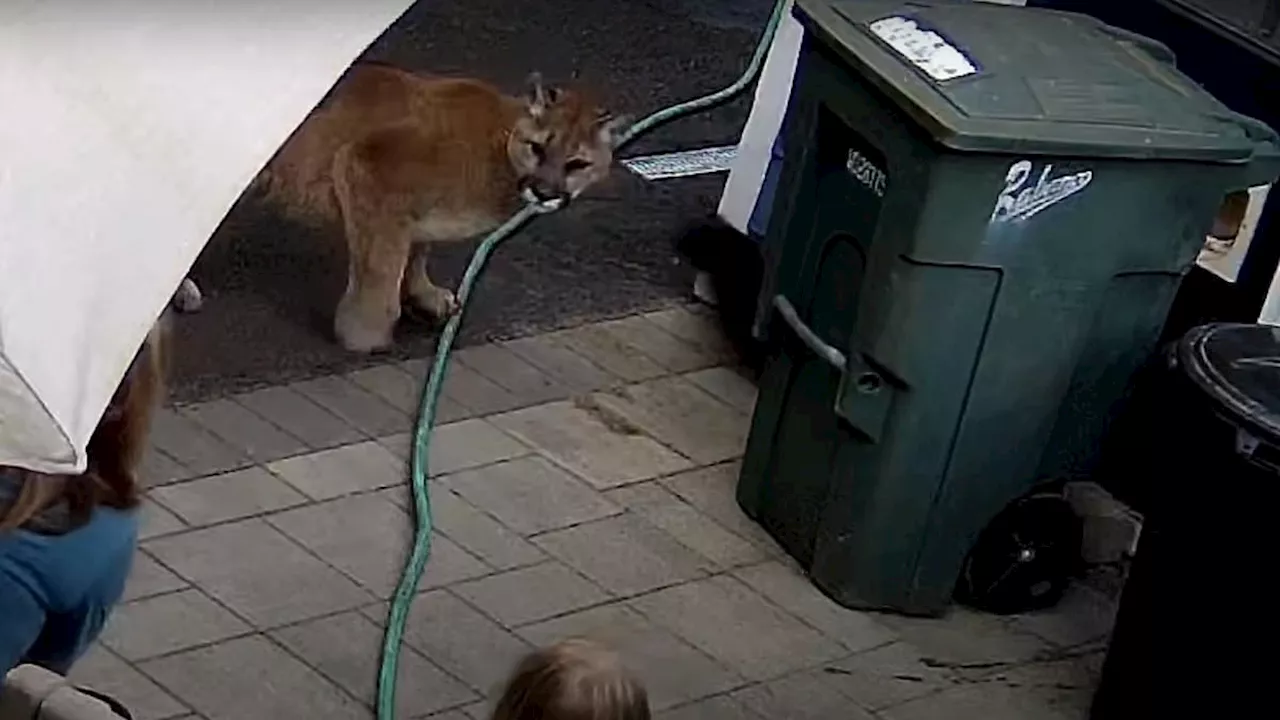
<point x="1238" y="366"/>
<point x="994" y="78"/>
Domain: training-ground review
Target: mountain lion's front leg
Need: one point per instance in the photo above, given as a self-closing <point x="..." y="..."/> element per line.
<point x="436" y="301"/>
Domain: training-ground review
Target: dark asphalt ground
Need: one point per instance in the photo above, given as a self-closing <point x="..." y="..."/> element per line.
<point x="271" y="285"/>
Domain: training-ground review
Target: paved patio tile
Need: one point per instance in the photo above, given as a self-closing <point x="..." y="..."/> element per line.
<point x="885" y="676"/>
<point x="256" y="571"/>
<point x="727" y="385"/>
<point x="721" y="707"/>
<point x="229" y="496"/>
<point x="517" y="376"/>
<point x="149" y="578"/>
<point x="530" y="594"/>
<point x="530" y="495"/>
<point x="155" y="521"/>
<point x="603" y="449"/>
<point x="244" y="430"/>
<point x="731" y="623"/>
<point x="354" y="405"/>
<point x="391" y="384"/>
<point x="367" y="538"/>
<point x="784" y="586"/>
<point x="347" y="649"/>
<point x="195" y="448"/>
<point x="560" y="362"/>
<point x="448" y="409"/>
<point x="461" y="446"/>
<point x="625" y="555"/>
<point x="965" y="637"/>
<point x="155" y="468"/>
<point x="682" y="416"/>
<point x="609" y="351"/>
<point x="104" y="672"/>
<point x="673" y="671"/>
<point x="712" y="491"/>
<point x="341" y="471"/>
<point x="700" y="329"/>
<point x="476" y="392"/>
<point x="167" y="624"/>
<point x="990" y="701"/>
<point x="683" y="522"/>
<point x="494" y="543"/>
<point x="1083" y="616"/>
<point x="669" y="351"/>
<point x="251" y="679"/>
<point x="460" y="640"/>
<point x="289" y="410"/>
<point x="802" y="696"/>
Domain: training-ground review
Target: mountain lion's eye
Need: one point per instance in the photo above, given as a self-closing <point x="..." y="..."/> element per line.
<point x="576" y="165"/>
<point x="538" y="149"/>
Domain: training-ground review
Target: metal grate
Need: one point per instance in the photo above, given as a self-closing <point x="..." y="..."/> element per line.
<point x="682" y="164"/>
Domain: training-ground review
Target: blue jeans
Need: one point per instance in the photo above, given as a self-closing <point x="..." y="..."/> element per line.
<point x="56" y="591"/>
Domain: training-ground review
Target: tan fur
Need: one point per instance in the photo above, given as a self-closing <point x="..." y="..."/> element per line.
<point x="404" y="160"/>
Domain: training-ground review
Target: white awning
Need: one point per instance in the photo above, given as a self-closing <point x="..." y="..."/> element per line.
<point x="128" y="128"/>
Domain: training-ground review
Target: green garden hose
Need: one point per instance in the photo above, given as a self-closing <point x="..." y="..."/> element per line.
<point x="421" y="550"/>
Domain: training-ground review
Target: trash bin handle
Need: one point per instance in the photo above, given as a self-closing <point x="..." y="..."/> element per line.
<point x="807" y="335"/>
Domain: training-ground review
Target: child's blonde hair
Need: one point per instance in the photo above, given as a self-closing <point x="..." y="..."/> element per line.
<point x="572" y="680"/>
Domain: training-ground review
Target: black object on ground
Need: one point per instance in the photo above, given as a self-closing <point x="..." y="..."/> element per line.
<point x="1195" y="598"/>
<point x="1025" y="558"/>
<point x="736" y="267"/>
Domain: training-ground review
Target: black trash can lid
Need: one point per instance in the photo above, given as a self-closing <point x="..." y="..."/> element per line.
<point x="1238" y="366"/>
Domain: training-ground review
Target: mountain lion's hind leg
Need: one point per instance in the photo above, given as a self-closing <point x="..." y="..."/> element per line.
<point x="436" y="301"/>
<point x="378" y="234"/>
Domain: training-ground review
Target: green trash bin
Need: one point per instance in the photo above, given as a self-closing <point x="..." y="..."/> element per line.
<point x="983" y="216"/>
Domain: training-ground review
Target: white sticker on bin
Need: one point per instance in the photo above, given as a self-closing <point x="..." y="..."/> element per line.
<point x="926" y="49"/>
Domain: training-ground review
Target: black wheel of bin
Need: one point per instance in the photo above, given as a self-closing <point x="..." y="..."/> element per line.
<point x="1025" y="558"/>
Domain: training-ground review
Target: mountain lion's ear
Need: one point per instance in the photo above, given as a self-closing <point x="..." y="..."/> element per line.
<point x="612" y="127"/>
<point x="540" y="94"/>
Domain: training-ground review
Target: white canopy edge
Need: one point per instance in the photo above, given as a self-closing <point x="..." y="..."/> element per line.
<point x="128" y="128"/>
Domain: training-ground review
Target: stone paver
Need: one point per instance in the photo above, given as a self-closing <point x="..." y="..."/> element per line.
<point x="625" y="555"/>
<point x="610" y="352"/>
<point x="526" y="383"/>
<point x="561" y="363"/>
<point x="459" y="639"/>
<point x="229" y="496"/>
<point x="359" y="408"/>
<point x="289" y="410"/>
<point x="342" y="470"/>
<point x="244" y="430"/>
<point x="602" y="449"/>
<point x="169" y="623"/>
<point x="346" y="648"/>
<point x="683" y="522"/>
<point x="195" y="448"/>
<point x="530" y="495"/>
<point x="106" y="673"/>
<point x="491" y="541"/>
<point x="726" y="620"/>
<point x="258" y="573"/>
<point x="461" y="446"/>
<point x="530" y="594"/>
<point x="683" y="416"/>
<point x="251" y="679"/>
<point x="803" y="696"/>
<point x="148" y="578"/>
<point x="789" y="590"/>
<point x="674" y="672"/>
<point x="583" y="484"/>
<point x="367" y="538"/>
<point x="886" y="676"/>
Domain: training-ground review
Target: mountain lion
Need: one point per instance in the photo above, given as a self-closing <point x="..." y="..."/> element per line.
<point x="405" y="160"/>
